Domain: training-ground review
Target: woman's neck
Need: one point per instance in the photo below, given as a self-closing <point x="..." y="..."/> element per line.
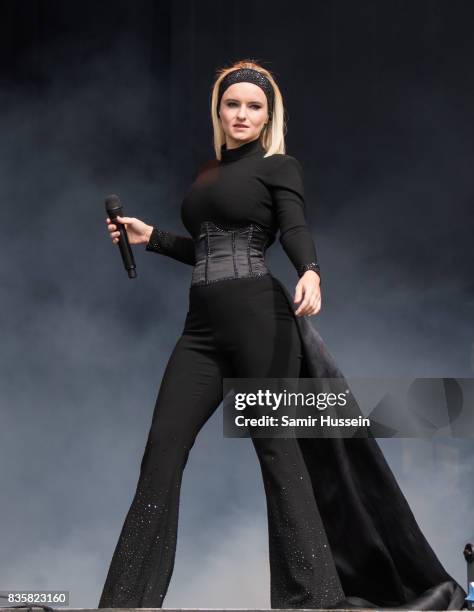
<point x="231" y="143"/>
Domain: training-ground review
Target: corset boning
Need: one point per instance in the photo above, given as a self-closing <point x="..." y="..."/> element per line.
<point x="230" y="252"/>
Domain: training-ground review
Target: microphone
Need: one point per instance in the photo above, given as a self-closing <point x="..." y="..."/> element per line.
<point x="113" y="206"/>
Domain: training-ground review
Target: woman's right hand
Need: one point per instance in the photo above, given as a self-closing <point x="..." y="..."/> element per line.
<point x="137" y="231"/>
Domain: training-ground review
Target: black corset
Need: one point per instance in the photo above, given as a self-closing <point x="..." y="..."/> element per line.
<point x="233" y="252"/>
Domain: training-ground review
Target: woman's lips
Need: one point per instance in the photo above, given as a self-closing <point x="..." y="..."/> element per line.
<point x="240" y="126"/>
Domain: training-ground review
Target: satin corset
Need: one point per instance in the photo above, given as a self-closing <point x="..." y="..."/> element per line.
<point x="231" y="252"/>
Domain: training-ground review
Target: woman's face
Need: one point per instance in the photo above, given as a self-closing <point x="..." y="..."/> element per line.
<point x="243" y="113"/>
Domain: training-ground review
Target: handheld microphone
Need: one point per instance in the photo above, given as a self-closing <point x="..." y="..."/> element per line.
<point x="113" y="206"/>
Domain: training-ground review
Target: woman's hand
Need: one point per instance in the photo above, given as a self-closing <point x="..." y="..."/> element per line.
<point x="137" y="231"/>
<point x="308" y="290"/>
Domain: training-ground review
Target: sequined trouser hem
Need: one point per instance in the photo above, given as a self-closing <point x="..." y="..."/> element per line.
<point x="234" y="328"/>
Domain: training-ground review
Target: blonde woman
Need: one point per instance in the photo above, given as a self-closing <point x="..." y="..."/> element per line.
<point x="340" y="531"/>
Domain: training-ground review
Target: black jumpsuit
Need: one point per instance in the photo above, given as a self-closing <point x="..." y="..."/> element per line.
<point x="239" y="324"/>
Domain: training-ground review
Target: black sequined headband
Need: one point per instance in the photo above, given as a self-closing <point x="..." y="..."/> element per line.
<point x="251" y="76"/>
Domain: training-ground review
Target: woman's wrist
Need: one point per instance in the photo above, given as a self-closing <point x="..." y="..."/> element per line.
<point x="310" y="267"/>
<point x="148" y="233"/>
<point x="314" y="274"/>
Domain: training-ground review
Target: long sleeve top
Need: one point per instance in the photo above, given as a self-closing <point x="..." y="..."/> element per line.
<point x="245" y="187"/>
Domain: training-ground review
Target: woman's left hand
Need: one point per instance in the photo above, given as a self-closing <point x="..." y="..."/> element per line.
<point x="309" y="291"/>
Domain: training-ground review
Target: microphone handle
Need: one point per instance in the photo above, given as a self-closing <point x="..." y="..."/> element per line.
<point x="123" y="243"/>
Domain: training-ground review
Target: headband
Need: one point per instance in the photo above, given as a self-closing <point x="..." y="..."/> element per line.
<point x="248" y="75"/>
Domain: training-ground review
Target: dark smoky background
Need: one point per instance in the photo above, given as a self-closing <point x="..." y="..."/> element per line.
<point x="113" y="96"/>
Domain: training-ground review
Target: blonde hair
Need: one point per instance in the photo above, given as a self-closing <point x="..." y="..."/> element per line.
<point x="272" y="135"/>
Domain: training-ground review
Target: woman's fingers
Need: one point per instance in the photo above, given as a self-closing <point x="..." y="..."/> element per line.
<point x="317" y="306"/>
<point x="113" y="232"/>
<point x="299" y="297"/>
<point x="298" y="293"/>
<point x="302" y="308"/>
<point x="121" y="220"/>
<point x="125" y="220"/>
<point x="112" y="228"/>
<point x="311" y="303"/>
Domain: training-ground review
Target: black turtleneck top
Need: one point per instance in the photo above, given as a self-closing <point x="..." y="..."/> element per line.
<point x="245" y="187"/>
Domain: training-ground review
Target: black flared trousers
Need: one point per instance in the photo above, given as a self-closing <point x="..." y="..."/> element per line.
<point x="242" y="328"/>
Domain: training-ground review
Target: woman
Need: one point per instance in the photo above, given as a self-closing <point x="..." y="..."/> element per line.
<point x="341" y="533"/>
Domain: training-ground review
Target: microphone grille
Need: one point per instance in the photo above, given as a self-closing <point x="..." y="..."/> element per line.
<point x="112" y="202"/>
